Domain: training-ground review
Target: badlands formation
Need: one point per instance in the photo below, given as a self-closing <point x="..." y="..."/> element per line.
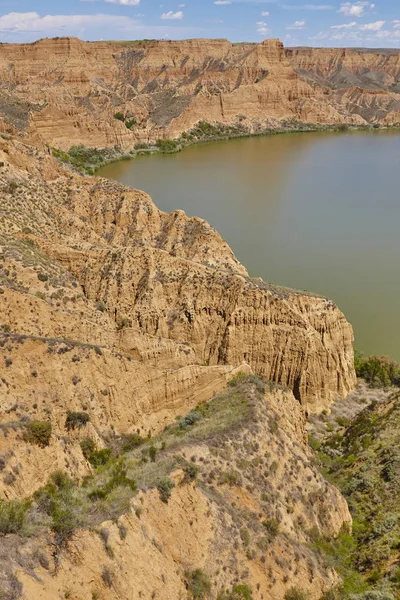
<point x="64" y="91"/>
<point x="117" y="320"/>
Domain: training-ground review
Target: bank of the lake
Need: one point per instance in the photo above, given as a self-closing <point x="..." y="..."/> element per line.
<point x="317" y="212"/>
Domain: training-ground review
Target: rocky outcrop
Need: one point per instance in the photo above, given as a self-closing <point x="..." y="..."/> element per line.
<point x="64" y="91"/>
<point x="162" y="276"/>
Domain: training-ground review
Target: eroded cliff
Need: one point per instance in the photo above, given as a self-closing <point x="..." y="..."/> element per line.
<point x="65" y="92"/>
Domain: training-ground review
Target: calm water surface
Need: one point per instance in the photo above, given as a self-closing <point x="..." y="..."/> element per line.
<point x="318" y="212"/>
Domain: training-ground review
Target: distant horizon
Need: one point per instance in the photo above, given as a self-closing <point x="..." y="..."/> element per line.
<point x="148" y="40"/>
<point x="297" y="23"/>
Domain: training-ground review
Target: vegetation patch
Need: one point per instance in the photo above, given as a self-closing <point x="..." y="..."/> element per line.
<point x="364" y="462"/>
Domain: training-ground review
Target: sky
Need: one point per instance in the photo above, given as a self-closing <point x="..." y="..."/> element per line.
<point x="296" y="22"/>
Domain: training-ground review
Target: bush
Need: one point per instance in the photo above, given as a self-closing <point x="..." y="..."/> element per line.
<point x="12" y="515"/>
<point x="190" y="419"/>
<point x="153" y="453"/>
<point x="378" y="371"/>
<point x="295" y="594"/>
<point x="119" y="116"/>
<point x="98" y="458"/>
<point x="39" y="433"/>
<point x="164" y="486"/>
<point x="132" y="441"/>
<point x="64" y="521"/>
<point x="238" y="592"/>
<point x="76" y="420"/>
<point x="198" y="584"/>
<point x="42" y="277"/>
<point x="168" y="146"/>
<point x="131" y="123"/>
<point x="272" y="526"/>
<point x="88" y="446"/>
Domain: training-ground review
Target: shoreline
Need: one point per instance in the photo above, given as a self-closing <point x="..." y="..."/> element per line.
<point x="88" y="160"/>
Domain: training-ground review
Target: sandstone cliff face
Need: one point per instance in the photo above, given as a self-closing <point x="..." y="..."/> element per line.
<point x="365" y="83"/>
<point x="64" y="91"/>
<point x="164" y="276"/>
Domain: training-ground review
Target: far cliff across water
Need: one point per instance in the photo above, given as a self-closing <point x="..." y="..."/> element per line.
<point x="65" y="92"/>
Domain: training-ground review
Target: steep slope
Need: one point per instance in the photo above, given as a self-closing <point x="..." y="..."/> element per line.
<point x="364" y="82"/>
<point x="237" y="498"/>
<point x="64" y="91"/>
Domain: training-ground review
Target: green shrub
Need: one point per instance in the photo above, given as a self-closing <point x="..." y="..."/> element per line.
<point x="98" y="458"/>
<point x="119" y="116"/>
<point x="119" y="478"/>
<point x="153" y="453"/>
<point x="39" y="433"/>
<point x="238" y="592"/>
<point x="134" y="440"/>
<point x="190" y="419"/>
<point x="168" y="146"/>
<point x="272" y="526"/>
<point x="295" y="594"/>
<point x="42" y="277"/>
<point x="76" y="420"/>
<point x="191" y="470"/>
<point x="64" y="521"/>
<point x="164" y="486"/>
<point x="378" y="371"/>
<point x="12" y="515"/>
<point x="131" y="123"/>
<point x="198" y="584"/>
<point x="88" y="446"/>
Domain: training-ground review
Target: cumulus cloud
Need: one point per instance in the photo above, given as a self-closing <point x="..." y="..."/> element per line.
<point x="32" y="21"/>
<point x="121" y="2"/>
<point x="30" y="26"/>
<point x="355" y="10"/>
<point x="376" y="26"/>
<point x="296" y="25"/>
<point x="262" y="30"/>
<point x="265" y="13"/>
<point x="307" y="6"/>
<point x="222" y="2"/>
<point x="174" y="16"/>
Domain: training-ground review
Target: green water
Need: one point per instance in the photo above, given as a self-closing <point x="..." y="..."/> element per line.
<point x="319" y="212"/>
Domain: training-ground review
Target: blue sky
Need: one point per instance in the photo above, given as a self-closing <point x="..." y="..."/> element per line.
<point x="295" y="22"/>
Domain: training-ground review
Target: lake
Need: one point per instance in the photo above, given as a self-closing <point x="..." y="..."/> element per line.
<point x="311" y="211"/>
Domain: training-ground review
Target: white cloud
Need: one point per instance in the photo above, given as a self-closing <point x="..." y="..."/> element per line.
<point x="31" y="26"/>
<point x="296" y="25"/>
<point x="355" y="10"/>
<point x="396" y="24"/>
<point x="261" y="24"/>
<point x="262" y="30"/>
<point x="174" y="16"/>
<point x="307" y="7"/>
<point x="265" y="13"/>
<point x="222" y="2"/>
<point x="376" y="26"/>
<point x="21" y="22"/>
<point x="121" y="2"/>
<point x="124" y="2"/>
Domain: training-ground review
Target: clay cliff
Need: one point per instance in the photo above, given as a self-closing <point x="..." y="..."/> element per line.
<point x="65" y="92"/>
<point x="364" y="82"/>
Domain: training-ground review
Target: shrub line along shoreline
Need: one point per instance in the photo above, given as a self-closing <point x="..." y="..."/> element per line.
<point x="88" y="161"/>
